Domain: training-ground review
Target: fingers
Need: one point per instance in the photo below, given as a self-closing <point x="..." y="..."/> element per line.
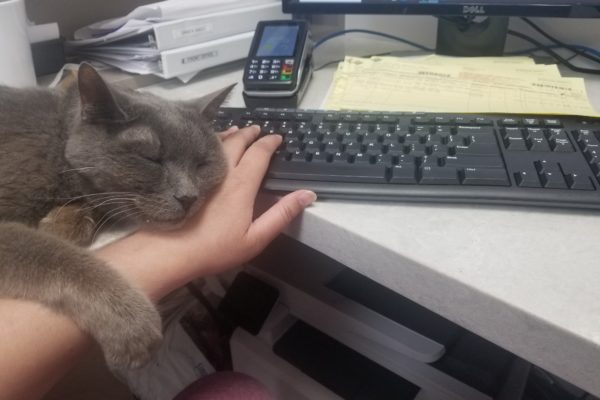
<point x="223" y="135"/>
<point x="236" y="144"/>
<point x="266" y="227"/>
<point x="255" y="161"/>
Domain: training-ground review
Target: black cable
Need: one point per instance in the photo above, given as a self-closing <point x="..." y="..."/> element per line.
<point x="369" y="32"/>
<point x="559" y="42"/>
<point x="554" y="54"/>
<point x="542" y="47"/>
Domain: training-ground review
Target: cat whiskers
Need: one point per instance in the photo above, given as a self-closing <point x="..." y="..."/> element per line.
<point x="110" y="201"/>
<point x="95" y="197"/>
<point x="128" y="208"/>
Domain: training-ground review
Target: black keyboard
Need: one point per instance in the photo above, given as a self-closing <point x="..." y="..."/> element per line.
<point x="498" y="159"/>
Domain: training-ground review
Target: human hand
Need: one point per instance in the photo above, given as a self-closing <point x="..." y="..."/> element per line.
<point x="223" y="233"/>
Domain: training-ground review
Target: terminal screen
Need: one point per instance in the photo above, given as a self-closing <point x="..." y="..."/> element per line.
<point x="278" y="41"/>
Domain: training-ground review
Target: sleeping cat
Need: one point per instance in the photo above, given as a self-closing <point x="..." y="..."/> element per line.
<point x="77" y="159"/>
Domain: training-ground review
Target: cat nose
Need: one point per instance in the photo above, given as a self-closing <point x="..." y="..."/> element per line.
<point x="186" y="201"/>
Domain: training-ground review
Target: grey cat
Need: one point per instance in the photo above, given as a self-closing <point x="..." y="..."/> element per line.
<point x="72" y="160"/>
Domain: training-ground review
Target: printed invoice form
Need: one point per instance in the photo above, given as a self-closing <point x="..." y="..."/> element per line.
<point x="513" y="85"/>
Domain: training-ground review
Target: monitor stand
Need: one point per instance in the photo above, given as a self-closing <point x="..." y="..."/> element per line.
<point x="471" y="37"/>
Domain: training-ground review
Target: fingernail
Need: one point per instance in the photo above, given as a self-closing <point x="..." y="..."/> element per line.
<point x="279" y="137"/>
<point x="307" y="197"/>
<point x="232" y="129"/>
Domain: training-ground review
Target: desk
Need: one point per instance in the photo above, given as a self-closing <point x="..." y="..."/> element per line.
<point x="526" y="279"/>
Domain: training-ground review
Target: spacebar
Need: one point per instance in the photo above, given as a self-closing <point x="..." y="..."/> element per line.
<point x="324" y="171"/>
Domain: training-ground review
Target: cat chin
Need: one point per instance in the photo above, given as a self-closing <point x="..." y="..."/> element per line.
<point x="163" y="225"/>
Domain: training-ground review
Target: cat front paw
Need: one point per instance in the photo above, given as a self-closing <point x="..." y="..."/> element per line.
<point x="130" y="342"/>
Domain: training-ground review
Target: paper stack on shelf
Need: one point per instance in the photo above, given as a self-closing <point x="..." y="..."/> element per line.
<point x="175" y="38"/>
<point x="513" y="85"/>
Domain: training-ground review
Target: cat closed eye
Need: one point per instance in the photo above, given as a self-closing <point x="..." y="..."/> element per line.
<point x="154" y="159"/>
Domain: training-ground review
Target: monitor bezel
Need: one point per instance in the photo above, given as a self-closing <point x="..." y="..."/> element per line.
<point x="529" y="9"/>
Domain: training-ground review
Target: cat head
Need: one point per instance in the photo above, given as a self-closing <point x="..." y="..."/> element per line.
<point x="144" y="159"/>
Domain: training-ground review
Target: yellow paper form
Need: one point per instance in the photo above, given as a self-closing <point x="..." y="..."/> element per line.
<point x="473" y="85"/>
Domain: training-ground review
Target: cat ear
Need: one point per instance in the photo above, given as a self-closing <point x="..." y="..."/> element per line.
<point x="98" y="104"/>
<point x="209" y="104"/>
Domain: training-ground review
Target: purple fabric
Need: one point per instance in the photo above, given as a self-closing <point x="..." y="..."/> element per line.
<point x="225" y="386"/>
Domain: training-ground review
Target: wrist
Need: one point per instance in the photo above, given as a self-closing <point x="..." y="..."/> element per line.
<point x="143" y="257"/>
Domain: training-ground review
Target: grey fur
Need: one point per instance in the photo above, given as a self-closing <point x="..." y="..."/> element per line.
<point x="111" y="155"/>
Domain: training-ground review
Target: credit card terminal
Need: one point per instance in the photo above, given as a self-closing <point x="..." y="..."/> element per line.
<point x="278" y="65"/>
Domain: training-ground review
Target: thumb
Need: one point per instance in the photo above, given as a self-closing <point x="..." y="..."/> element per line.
<point x="270" y="224"/>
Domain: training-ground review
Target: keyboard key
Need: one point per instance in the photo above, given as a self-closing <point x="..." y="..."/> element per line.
<point x="302" y="116"/>
<point x="552" y="122"/>
<point x="477" y="149"/>
<point x="485" y="177"/>
<point x="441" y="120"/>
<point x="592" y="156"/>
<point x="406" y="159"/>
<point x="438" y="176"/>
<point x="410" y="139"/>
<point x="443" y="131"/>
<point x="587" y="139"/>
<point x="362" y="158"/>
<point x="350" y="117"/>
<point x="320" y="156"/>
<point x="223" y="114"/>
<point x="388" y="119"/>
<point x="299" y="157"/>
<point x="385" y="159"/>
<point x="465" y="161"/>
<point x="282" y="115"/>
<point x="340" y="157"/>
<point x="330" y="117"/>
<point x="527" y="179"/>
<point x="312" y="146"/>
<point x="462" y="120"/>
<point x="293" y="145"/>
<point x="429" y="161"/>
<point x="578" y="182"/>
<point x="515" y="143"/>
<point x="509" y="121"/>
<point x="559" y="141"/>
<point x="403" y="174"/>
<point x="422" y="119"/>
<point x="536" y="140"/>
<point x="475" y="130"/>
<point x="531" y="122"/>
<point x="553" y="180"/>
<point x="334" y="172"/>
<point x="550" y="175"/>
<point x="483" y="121"/>
<point x="438" y="149"/>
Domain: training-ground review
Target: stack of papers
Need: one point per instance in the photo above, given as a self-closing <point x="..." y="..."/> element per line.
<point x="175" y="38"/>
<point x="513" y="85"/>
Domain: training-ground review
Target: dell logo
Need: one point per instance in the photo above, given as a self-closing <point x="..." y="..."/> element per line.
<point x="478" y="10"/>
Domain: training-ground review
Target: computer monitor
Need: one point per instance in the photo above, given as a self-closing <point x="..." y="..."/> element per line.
<point x="460" y="32"/>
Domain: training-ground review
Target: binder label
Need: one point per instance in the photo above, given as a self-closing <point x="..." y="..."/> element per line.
<point x="199" y="57"/>
<point x="192" y="30"/>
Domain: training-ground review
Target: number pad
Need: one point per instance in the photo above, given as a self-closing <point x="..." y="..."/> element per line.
<point x="271" y="69"/>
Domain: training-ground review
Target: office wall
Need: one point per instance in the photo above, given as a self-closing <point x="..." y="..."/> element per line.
<point x="73" y="14"/>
